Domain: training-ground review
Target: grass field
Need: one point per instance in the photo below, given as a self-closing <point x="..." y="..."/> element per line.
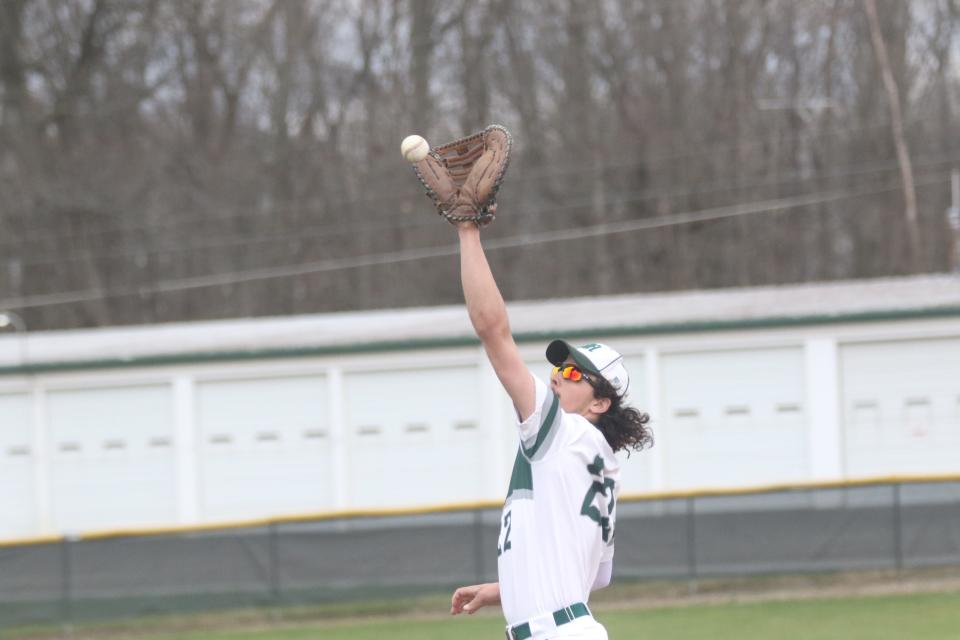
<point x="875" y="605"/>
<point x="921" y="616"/>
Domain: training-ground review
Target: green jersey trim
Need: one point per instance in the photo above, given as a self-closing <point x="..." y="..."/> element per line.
<point x="547" y="430"/>
<point x="521" y="480"/>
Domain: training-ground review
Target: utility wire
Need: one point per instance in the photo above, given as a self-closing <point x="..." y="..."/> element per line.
<point x="552" y="171"/>
<point x="313" y="232"/>
<point x="410" y="255"/>
<point x="327" y="230"/>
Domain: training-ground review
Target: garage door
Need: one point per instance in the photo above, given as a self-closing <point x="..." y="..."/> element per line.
<point x="733" y="418"/>
<point x="414" y="436"/>
<point x="111" y="457"/>
<point x="901" y="407"/>
<point x="265" y="447"/>
<point x="17" y="517"/>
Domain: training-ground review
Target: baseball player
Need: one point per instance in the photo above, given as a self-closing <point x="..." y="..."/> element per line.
<point x="559" y="518"/>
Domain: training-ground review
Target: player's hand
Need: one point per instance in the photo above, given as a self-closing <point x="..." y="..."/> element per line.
<point x="469" y="599"/>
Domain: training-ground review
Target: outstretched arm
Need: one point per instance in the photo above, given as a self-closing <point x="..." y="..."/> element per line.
<point x="488" y="313"/>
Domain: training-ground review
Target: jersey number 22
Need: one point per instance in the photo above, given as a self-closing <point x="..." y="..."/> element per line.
<point x="503" y="548"/>
<point x="599" y="488"/>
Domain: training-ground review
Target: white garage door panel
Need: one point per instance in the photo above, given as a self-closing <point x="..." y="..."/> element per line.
<point x="414" y="437"/>
<point x="112" y="454"/>
<point x="733" y="418"/>
<point x="901" y="407"/>
<point x="18" y="516"/>
<point x="265" y="447"/>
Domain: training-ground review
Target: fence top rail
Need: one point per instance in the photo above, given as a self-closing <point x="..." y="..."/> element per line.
<point x="792" y="486"/>
<point x="268" y="522"/>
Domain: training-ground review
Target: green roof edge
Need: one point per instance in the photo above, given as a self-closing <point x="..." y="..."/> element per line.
<point x="463" y="341"/>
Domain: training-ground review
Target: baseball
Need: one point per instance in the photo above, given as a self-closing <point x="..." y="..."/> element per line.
<point x="414" y="148"/>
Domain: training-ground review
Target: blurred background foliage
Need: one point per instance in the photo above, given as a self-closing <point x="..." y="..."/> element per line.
<point x="190" y="159"/>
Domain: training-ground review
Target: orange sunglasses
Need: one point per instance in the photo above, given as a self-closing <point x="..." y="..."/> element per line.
<point x="571" y="372"/>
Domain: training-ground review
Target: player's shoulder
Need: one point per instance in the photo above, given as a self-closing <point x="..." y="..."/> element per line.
<point x="583" y="429"/>
<point x="593" y="439"/>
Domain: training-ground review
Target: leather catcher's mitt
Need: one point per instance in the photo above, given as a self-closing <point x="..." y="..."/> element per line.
<point x="462" y="177"/>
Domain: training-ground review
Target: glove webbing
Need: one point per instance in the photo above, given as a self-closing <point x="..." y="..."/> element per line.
<point x="484" y="216"/>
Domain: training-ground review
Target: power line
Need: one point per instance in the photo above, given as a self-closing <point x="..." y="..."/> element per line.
<point x="554" y="170"/>
<point x="410" y="255"/>
<point x="313" y="232"/>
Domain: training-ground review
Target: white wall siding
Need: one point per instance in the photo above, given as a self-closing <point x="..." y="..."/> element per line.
<point x="413" y="436"/>
<point x="733" y="417"/>
<point x="901" y="406"/>
<point x="825" y="435"/>
<point x="265" y="447"/>
<point x="18" y="516"/>
<point x="198" y="440"/>
<point x="111" y="453"/>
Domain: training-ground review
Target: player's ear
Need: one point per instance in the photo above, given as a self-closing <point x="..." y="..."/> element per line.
<point x="600" y="405"/>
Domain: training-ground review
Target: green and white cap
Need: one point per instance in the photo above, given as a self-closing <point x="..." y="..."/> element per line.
<point x="595" y="358"/>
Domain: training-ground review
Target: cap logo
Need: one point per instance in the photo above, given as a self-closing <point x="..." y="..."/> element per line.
<point x="593" y="346"/>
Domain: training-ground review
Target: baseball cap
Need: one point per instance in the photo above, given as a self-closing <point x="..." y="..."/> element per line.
<point x="595" y="358"/>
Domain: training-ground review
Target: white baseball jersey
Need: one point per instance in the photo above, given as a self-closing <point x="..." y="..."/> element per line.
<point x="559" y="516"/>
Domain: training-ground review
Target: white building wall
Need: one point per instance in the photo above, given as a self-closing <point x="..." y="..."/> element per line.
<point x="413" y="436"/>
<point x="734" y="417"/>
<point x="263" y="445"/>
<point x="822" y="398"/>
<point x="18" y="459"/>
<point x="111" y="456"/>
<point x="901" y="406"/>
<point x="205" y="442"/>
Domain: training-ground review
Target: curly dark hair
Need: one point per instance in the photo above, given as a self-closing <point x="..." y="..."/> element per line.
<point x="622" y="426"/>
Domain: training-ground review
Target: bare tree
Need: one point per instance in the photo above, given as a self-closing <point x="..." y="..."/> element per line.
<point x="897" y="131"/>
<point x="147" y="146"/>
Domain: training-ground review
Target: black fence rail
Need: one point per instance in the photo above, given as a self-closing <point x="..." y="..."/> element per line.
<point x="885" y="525"/>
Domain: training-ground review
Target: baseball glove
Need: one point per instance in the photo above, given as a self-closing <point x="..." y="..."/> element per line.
<point x="462" y="177"/>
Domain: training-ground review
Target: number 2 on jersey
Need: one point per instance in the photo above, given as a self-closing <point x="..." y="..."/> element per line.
<point x="503" y="548"/>
<point x="589" y="509"/>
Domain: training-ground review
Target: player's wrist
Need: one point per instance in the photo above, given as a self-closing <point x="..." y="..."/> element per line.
<point x="491" y="593"/>
<point x="468" y="229"/>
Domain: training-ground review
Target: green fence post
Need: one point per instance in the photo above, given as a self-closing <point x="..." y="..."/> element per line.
<point x="691" y="545"/>
<point x="478" y="554"/>
<point x="274" y="561"/>
<point x="897" y="530"/>
<point x="66" y="584"/>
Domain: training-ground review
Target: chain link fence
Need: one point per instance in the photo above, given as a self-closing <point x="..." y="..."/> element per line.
<point x="893" y="525"/>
